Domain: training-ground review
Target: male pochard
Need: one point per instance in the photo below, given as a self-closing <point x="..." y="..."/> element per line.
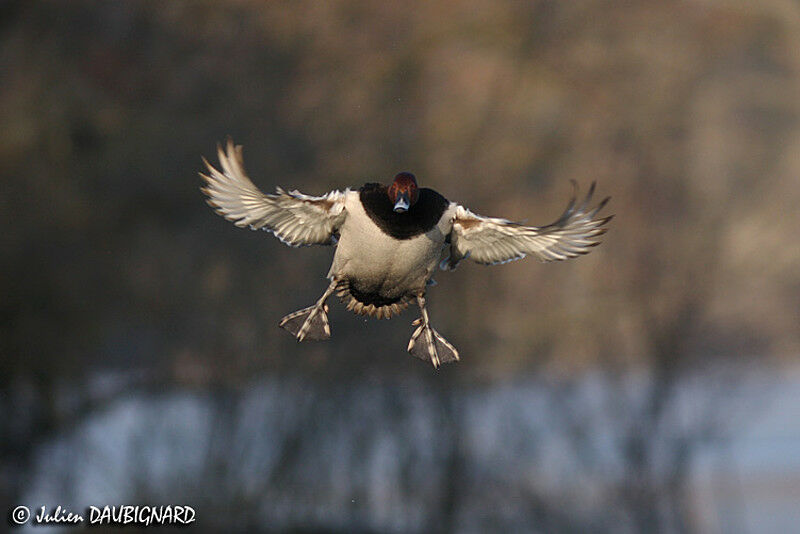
<point x="389" y="241"/>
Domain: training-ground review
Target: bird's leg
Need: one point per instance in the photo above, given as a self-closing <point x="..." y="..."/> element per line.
<point x="311" y="322"/>
<point x="426" y="343"/>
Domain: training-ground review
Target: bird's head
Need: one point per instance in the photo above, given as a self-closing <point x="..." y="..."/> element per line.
<point x="403" y="193"/>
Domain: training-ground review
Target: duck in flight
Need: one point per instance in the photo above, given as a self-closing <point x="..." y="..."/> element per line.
<point x="389" y="241"/>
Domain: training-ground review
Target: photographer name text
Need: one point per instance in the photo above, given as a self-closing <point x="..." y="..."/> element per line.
<point x="123" y="515"/>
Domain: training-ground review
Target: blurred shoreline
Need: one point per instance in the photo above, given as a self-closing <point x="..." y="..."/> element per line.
<point x="145" y="448"/>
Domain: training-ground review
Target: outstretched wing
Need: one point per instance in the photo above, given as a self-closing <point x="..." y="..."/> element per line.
<point x="491" y="240"/>
<point x="295" y="218"/>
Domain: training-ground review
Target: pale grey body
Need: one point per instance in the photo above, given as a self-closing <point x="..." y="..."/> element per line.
<point x="381" y="263"/>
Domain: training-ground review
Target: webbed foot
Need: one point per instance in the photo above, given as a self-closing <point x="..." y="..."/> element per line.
<point x="428" y="344"/>
<point x="308" y="323"/>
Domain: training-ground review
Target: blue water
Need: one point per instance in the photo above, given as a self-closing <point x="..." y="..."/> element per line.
<point x="380" y="456"/>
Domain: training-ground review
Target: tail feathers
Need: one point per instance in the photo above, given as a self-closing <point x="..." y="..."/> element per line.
<point x="379" y="310"/>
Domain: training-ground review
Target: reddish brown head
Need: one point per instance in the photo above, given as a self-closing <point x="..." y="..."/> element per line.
<point x="403" y="192"/>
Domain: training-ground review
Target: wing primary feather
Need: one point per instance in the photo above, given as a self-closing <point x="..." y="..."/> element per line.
<point x="493" y="240"/>
<point x="296" y="219"/>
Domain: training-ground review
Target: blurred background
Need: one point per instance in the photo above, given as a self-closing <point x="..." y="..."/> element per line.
<point x="652" y="386"/>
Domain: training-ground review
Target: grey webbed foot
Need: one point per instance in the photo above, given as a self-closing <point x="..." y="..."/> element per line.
<point x="308" y="323"/>
<point x="311" y="322"/>
<point x="428" y="344"/>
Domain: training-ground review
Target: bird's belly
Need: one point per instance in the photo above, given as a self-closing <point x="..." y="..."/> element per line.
<point x="375" y="263"/>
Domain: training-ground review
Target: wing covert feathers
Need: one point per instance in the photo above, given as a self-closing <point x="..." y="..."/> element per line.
<point x="490" y="240"/>
<point x="295" y="218"/>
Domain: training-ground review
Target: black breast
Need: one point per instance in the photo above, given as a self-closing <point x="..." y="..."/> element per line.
<point x="419" y="219"/>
